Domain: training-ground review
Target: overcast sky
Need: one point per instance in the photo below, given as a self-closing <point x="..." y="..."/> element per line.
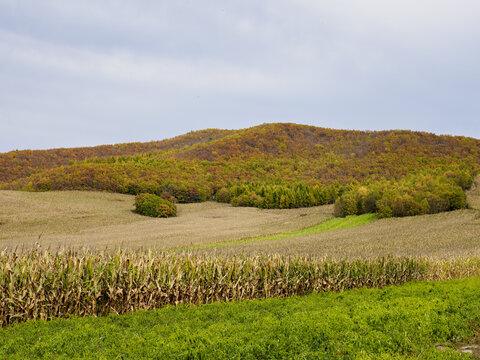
<point x="88" y="72"/>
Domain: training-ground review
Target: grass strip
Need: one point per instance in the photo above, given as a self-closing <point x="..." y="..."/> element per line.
<point x="328" y="225"/>
<point x="391" y="323"/>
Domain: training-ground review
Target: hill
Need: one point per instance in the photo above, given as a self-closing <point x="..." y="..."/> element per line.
<point x="18" y="164"/>
<point x="271" y="165"/>
<point x="309" y="142"/>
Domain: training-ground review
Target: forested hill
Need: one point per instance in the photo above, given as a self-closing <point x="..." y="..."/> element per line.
<point x="193" y="167"/>
<point x="314" y="143"/>
<point x="18" y="164"/>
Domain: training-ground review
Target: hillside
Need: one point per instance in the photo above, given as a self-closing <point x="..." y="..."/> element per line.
<point x="271" y="165"/>
<point x="18" y="164"/>
<point x="314" y="143"/>
<point x="334" y="148"/>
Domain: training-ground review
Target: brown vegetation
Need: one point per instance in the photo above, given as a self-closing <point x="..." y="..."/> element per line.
<point x="98" y="220"/>
<point x="445" y="235"/>
<point x="441" y="236"/>
<point x="44" y="285"/>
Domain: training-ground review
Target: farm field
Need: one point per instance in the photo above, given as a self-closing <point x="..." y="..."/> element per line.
<point x="104" y="220"/>
<point x="98" y="220"/>
<point x="82" y="253"/>
<point x="239" y="180"/>
<point x="417" y="320"/>
<point x="216" y="256"/>
<point x="443" y="236"/>
<point x="446" y="235"/>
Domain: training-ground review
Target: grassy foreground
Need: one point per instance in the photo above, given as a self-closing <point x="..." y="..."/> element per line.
<point x="391" y="323"/>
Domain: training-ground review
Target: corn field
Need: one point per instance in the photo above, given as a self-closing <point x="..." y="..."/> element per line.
<point x="44" y="285"/>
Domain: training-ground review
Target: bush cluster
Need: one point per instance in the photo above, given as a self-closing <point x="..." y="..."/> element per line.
<point x="419" y="194"/>
<point x="154" y="206"/>
<point x="278" y="196"/>
<point x="179" y="192"/>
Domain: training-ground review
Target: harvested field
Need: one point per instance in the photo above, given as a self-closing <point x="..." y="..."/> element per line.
<point x="473" y="195"/>
<point x="99" y="220"/>
<point x="441" y="236"/>
<point x="104" y="220"/>
<point x="444" y="235"/>
<point x="328" y="225"/>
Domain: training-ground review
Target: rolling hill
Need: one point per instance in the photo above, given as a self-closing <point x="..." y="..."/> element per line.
<point x="22" y="163"/>
<point x="306" y="165"/>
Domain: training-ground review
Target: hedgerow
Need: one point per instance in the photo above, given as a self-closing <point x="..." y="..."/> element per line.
<point x="278" y="196"/>
<point x="418" y="194"/>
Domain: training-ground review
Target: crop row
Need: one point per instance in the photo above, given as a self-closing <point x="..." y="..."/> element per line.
<point x="44" y="285"/>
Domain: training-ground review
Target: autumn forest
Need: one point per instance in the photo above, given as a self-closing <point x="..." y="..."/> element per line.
<point x="390" y="173"/>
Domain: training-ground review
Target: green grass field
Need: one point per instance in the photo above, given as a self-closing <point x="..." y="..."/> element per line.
<point x="416" y="320"/>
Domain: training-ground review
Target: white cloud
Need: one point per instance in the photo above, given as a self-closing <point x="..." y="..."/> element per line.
<point x="116" y="15"/>
<point x="126" y="67"/>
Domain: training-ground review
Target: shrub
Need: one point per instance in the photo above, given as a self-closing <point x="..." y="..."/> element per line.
<point x="464" y="179"/>
<point x="154" y="206"/>
<point x="369" y="203"/>
<point x="223" y="195"/>
<point x="436" y="204"/>
<point x="417" y="194"/>
<point x="250" y="199"/>
<point x="384" y="211"/>
<point x="347" y="204"/>
<point x="185" y="193"/>
<point x="132" y="189"/>
<point x="167" y="196"/>
<point x="406" y="206"/>
<point x="278" y="195"/>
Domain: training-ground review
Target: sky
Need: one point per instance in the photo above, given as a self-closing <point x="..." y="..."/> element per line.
<point x="81" y="73"/>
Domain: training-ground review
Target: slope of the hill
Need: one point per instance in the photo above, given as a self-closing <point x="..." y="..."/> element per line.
<point x="195" y="166"/>
<point x="18" y="164"/>
<point x="310" y="142"/>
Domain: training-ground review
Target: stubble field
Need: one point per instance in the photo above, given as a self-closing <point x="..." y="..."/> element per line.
<point x="103" y="220"/>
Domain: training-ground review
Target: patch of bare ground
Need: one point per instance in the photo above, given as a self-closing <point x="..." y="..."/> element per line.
<point x="104" y="220"/>
<point x="472" y="346"/>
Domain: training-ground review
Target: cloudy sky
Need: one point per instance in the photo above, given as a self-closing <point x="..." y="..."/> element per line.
<point x="88" y="72"/>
